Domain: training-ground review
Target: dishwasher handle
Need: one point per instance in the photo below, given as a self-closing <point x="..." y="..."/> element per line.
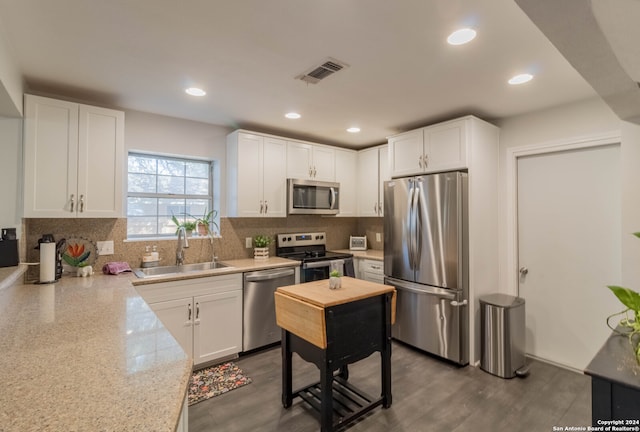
<point x="268" y="275"/>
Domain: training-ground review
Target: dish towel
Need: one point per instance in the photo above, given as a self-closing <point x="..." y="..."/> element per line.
<point x="116" y="267"/>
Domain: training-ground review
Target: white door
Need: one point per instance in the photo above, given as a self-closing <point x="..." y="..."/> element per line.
<point x="177" y="317"/>
<point x="324" y="163"/>
<point x="346" y="169"/>
<point x="217" y="326"/>
<point x="405" y="154"/>
<point x="299" y="158"/>
<point x="250" y="175"/>
<point x="569" y="244"/>
<point x="368" y="182"/>
<point x="274" y="178"/>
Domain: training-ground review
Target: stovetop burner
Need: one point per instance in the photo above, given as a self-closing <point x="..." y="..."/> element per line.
<point x="306" y="247"/>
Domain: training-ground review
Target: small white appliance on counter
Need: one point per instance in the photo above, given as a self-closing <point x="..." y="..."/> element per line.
<point x="358" y="243"/>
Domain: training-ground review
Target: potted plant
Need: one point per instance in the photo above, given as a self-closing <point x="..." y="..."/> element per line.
<point x="261" y="246"/>
<point x="188" y="225"/>
<point x="204" y="223"/>
<point x="628" y="325"/>
<point x="335" y="281"/>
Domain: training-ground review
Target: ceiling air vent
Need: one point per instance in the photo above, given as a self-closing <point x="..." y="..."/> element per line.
<point x="317" y="73"/>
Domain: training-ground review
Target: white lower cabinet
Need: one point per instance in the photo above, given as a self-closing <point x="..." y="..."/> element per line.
<point x="204" y="315"/>
<point x="372" y="270"/>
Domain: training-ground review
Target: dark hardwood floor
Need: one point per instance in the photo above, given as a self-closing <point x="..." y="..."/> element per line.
<point x="428" y="395"/>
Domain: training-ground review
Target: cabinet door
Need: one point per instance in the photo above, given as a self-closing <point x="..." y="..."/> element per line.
<point x="405" y="152"/>
<point x="50" y="157"/>
<point x="177" y="317"/>
<point x="250" y="175"/>
<point x="274" y="178"/>
<point x="446" y="146"/>
<point x="323" y="166"/>
<point x="368" y="182"/>
<point x="383" y="176"/>
<point x="100" y="162"/>
<point x="346" y="175"/>
<point x="217" y="330"/>
<point x="299" y="159"/>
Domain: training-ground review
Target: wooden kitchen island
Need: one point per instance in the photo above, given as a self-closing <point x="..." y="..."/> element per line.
<point x="332" y="329"/>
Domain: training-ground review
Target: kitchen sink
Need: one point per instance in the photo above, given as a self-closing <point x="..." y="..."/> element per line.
<point x="150" y="272"/>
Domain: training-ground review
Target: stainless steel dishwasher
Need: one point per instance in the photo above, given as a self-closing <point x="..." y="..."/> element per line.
<point x="259" y="326"/>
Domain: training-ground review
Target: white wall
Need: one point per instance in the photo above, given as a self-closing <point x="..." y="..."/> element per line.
<point x="10" y="173"/>
<point x="565" y="123"/>
<point x="11" y="84"/>
<point x="177" y="137"/>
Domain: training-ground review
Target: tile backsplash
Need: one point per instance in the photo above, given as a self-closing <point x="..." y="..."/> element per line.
<point x="230" y="246"/>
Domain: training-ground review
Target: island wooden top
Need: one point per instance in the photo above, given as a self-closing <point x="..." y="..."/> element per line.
<point x="319" y="294"/>
<point x="300" y="309"/>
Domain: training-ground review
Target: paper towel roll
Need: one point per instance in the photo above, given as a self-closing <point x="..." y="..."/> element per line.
<point x="47" y="262"/>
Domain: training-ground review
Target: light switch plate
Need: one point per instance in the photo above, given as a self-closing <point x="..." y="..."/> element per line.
<point x="378" y="237"/>
<point x="247" y="242"/>
<point x="105" y="247"/>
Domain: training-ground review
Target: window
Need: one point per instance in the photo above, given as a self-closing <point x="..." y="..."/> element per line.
<point x="159" y="188"/>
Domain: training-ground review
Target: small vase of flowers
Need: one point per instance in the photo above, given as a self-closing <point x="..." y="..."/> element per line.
<point x="335" y="282"/>
<point x="261" y="246"/>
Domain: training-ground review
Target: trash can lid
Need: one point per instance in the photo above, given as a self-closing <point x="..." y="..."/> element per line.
<point x="502" y="300"/>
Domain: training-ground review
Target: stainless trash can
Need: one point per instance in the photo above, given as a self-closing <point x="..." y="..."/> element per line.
<point x="502" y="339"/>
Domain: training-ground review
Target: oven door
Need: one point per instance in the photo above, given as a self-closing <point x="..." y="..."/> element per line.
<point x="318" y="270"/>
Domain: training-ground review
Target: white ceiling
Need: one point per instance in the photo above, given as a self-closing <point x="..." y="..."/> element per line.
<point x="141" y="54"/>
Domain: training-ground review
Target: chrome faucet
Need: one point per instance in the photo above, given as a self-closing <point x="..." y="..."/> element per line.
<point x="182" y="244"/>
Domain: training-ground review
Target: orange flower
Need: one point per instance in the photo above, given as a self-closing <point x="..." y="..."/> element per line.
<point x="75" y="250"/>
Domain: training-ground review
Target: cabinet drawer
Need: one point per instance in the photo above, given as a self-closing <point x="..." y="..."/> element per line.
<point x="372" y="266"/>
<point x="171" y="290"/>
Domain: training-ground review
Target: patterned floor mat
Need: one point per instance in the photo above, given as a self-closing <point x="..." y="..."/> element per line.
<point x="214" y="381"/>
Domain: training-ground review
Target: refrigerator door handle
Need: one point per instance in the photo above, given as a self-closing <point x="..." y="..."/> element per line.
<point x="415" y="193"/>
<point x="417" y="256"/>
<point x="457" y="303"/>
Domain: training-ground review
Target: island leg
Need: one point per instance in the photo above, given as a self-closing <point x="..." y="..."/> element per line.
<point x="287" y="378"/>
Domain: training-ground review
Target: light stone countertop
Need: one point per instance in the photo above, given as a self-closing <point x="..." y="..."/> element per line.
<point x="372" y="254"/>
<point x="235" y="266"/>
<point x="87" y="354"/>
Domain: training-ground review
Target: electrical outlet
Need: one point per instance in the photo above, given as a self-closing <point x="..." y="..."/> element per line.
<point x="378" y="237"/>
<point x="105" y="247"/>
<point x="247" y="242"/>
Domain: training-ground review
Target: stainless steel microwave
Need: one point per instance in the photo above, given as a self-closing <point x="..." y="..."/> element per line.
<point x="313" y="197"/>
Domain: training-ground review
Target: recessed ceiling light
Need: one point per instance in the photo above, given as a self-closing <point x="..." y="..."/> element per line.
<point x="462" y="36"/>
<point x="521" y="79"/>
<point x="292" y="115"/>
<point x="353" y="129"/>
<point x="194" y="91"/>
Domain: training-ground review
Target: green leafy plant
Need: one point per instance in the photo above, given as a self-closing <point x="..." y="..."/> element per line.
<point x="629" y="325"/>
<point x="261" y="240"/>
<point x="205" y="221"/>
<point x="334" y="273"/>
<point x="188" y="225"/>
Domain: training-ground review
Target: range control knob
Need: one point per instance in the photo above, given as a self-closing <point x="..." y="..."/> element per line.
<point x="289" y="238"/>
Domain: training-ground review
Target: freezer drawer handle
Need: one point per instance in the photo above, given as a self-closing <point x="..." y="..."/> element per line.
<point x="457" y="303"/>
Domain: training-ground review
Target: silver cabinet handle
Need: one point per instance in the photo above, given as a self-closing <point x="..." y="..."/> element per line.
<point x="81" y="203"/>
<point x="189" y="308"/>
<point x="72" y="203"/>
<point x="261" y="207"/>
<point x="198" y="310"/>
<point x="310" y="172"/>
<point x="314" y="171"/>
<point x="266" y="207"/>
<point x="420" y="162"/>
<point x="425" y="160"/>
<point x="523" y="271"/>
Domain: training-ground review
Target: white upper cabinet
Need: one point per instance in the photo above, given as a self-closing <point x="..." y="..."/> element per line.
<point x="441" y="147"/>
<point x="256" y="180"/>
<point x="74" y="159"/>
<point x="373" y="171"/>
<point x="310" y="161"/>
<point x="346" y="170"/>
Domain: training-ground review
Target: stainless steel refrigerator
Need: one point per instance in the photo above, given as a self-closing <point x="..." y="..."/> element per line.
<point x="426" y="259"/>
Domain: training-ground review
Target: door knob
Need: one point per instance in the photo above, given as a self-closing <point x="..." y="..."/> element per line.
<point x="523" y="271"/>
